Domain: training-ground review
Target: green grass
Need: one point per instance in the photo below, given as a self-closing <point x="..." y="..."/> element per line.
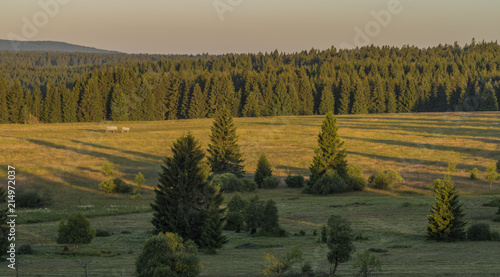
<point x="66" y="160"/>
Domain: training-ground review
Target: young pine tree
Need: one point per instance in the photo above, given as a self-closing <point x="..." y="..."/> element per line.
<point x="329" y="154"/>
<point x="446" y="221"/>
<point x="327" y="102"/>
<point x="224" y="150"/>
<point x="183" y="195"/>
<point x="4" y="112"/>
<point x="263" y="170"/>
<point x="489" y="101"/>
<point x="211" y="235"/>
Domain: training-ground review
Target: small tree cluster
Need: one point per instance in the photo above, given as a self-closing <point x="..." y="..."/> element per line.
<point x="295" y="181"/>
<point x="264" y="170"/>
<point x="75" y="230"/>
<point x="366" y="263"/>
<point x="166" y="254"/>
<point x="446" y="221"/>
<point x="229" y="182"/>
<point x="255" y="215"/>
<point x="116" y="185"/>
<point x="270" y="182"/>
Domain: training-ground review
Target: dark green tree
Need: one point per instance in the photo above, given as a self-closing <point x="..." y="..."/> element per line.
<point x="119" y="105"/>
<point x="489" y="101"/>
<point x="69" y="104"/>
<point x="211" y="235"/>
<point x="446" y="221"/>
<point x="75" y="230"/>
<point x="15" y="102"/>
<point x="224" y="150"/>
<point x="360" y="102"/>
<point x="270" y="220"/>
<point x="4" y="228"/>
<point x="36" y="103"/>
<point x="339" y="240"/>
<point x="345" y="94"/>
<point x="329" y="154"/>
<point x="4" y="111"/>
<point x="264" y="170"/>
<point x="197" y="104"/>
<point x="252" y="105"/>
<point x="327" y="102"/>
<point x="305" y="94"/>
<point x="183" y="195"/>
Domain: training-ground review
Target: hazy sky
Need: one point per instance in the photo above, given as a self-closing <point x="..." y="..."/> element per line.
<point x="222" y="26"/>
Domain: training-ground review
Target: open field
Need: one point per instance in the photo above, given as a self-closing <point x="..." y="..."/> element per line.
<point x="65" y="160"/>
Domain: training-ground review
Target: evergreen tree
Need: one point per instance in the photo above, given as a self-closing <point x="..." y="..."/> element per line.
<point x="329" y="154"/>
<point x="252" y="105"/>
<point x="327" y="102"/>
<point x="263" y="170"/>
<point x="446" y="221"/>
<point x="36" y="103"/>
<point x="4" y="228"/>
<point x="211" y="235"/>
<point x="489" y="101"/>
<point x="197" y="104"/>
<point x="224" y="150"/>
<point x="4" y="111"/>
<point x="69" y="105"/>
<point x="281" y="99"/>
<point x="119" y="105"/>
<point x="172" y="98"/>
<point x="345" y="95"/>
<point x="15" y="102"/>
<point x="89" y="105"/>
<point x="52" y="105"/>
<point x="184" y="195"/>
<point x="270" y="219"/>
<point x="391" y="98"/>
<point x="378" y="98"/>
<point x="360" y="100"/>
<point x="305" y="94"/>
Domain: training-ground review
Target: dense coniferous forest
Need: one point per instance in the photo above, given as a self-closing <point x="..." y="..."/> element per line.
<point x="82" y="87"/>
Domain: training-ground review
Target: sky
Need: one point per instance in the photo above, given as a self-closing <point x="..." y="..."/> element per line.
<point x="244" y="26"/>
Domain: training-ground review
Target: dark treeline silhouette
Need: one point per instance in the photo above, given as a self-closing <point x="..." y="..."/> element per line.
<point x="63" y="87"/>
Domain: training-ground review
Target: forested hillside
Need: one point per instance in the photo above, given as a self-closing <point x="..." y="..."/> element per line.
<point x="90" y="87"/>
<point x="48" y="46"/>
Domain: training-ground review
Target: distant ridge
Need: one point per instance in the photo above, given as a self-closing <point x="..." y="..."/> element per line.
<point x="49" y="46"/>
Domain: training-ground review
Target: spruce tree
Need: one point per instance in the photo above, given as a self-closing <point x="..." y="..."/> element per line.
<point x="184" y="195"/>
<point x="197" y="104"/>
<point x="4" y="112"/>
<point x="211" y="236"/>
<point x="329" y="154"/>
<point x="224" y="150"/>
<point x="270" y="219"/>
<point x="119" y="105"/>
<point x="446" y="221"/>
<point x="172" y="98"/>
<point x="378" y="98"/>
<point x="4" y="228"/>
<point x="36" y="103"/>
<point x="305" y="94"/>
<point x="359" y="102"/>
<point x="327" y="102"/>
<point x="69" y="105"/>
<point x="345" y="95"/>
<point x="263" y="170"/>
<point x="252" y="105"/>
<point x="15" y="103"/>
<point x="489" y="101"/>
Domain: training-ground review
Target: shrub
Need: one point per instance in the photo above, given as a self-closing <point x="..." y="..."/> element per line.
<point x="75" y="230"/>
<point x="356" y="182"/>
<point x="277" y="265"/>
<point x="495" y="236"/>
<point x="386" y="179"/>
<point x="270" y="182"/>
<point x="140" y="181"/>
<point x="249" y="185"/>
<point x="116" y="185"/>
<point x="371" y="179"/>
<point x="474" y="174"/>
<point x="228" y="182"/>
<point x="234" y="217"/>
<point x="366" y="263"/>
<point x="452" y="166"/>
<point x="495" y="202"/>
<point x="479" y="231"/>
<point x="330" y="182"/>
<point x="102" y="233"/>
<point x="25" y="249"/>
<point x="295" y="181"/>
<point x="167" y="255"/>
<point x="32" y="199"/>
<point x="107" y="169"/>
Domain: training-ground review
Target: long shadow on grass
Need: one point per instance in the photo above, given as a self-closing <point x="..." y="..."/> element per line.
<point x="471" y="151"/>
<point x="135" y="153"/>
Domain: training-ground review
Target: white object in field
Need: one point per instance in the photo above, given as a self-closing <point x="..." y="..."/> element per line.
<point x="111" y="129"/>
<point x="125" y="129"/>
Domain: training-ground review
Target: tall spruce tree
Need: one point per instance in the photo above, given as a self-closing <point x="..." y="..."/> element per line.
<point x="36" y="103"/>
<point x="119" y="105"/>
<point x="4" y="111"/>
<point x="359" y="102"/>
<point x="184" y="196"/>
<point x="305" y="94"/>
<point x="329" y="154"/>
<point x="69" y="105"/>
<point x="211" y="235"/>
<point x="197" y="104"/>
<point x="345" y="95"/>
<point x="15" y="102"/>
<point x="446" y="221"/>
<point x="224" y="150"/>
<point x="252" y="106"/>
<point x="327" y="102"/>
<point x="489" y="101"/>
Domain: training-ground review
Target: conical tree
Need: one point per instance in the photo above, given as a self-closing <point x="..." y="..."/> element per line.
<point x="211" y="235"/>
<point x="4" y="112"/>
<point x="119" y="105"/>
<point x="345" y="95"/>
<point x="252" y="105"/>
<point x="183" y="195"/>
<point x="69" y="105"/>
<point x="4" y="228"/>
<point x="329" y="154"/>
<point x="224" y="150"/>
<point x="489" y="101"/>
<point x="446" y="221"/>
<point x="15" y="102"/>
<point x="263" y="170"/>
<point x="327" y="102"/>
<point x="197" y="104"/>
<point x="359" y="102"/>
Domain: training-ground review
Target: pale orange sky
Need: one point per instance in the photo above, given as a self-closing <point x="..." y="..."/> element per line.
<point x="195" y="26"/>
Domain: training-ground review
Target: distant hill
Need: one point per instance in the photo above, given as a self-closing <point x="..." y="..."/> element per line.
<point x="49" y="46"/>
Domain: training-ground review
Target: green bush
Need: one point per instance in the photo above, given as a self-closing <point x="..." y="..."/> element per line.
<point x="234" y="221"/>
<point x="270" y="182"/>
<point x="295" y="181"/>
<point x="107" y="169"/>
<point x="495" y="236"/>
<point x="25" y="249"/>
<point x="330" y="182"/>
<point x="228" y="182"/>
<point x="479" y="231"/>
<point x="366" y="263"/>
<point x="75" y="230"/>
<point x="102" y="233"/>
<point x="116" y="185"/>
<point x="32" y="199"/>
<point x="249" y="185"/>
<point x="386" y="179"/>
<point x="356" y="182"/>
<point x="474" y="174"/>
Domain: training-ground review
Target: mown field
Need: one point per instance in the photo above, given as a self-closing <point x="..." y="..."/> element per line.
<point x="64" y="160"/>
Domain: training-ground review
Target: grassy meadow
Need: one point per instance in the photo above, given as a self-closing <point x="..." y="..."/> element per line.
<point x="64" y="161"/>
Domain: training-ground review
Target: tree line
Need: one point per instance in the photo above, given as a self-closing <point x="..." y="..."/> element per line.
<point x="364" y="80"/>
